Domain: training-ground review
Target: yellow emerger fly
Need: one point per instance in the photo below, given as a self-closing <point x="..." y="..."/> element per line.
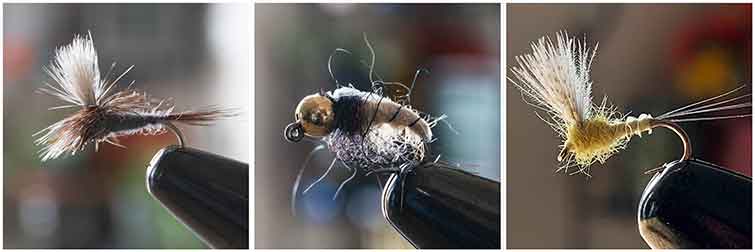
<point x="555" y="78"/>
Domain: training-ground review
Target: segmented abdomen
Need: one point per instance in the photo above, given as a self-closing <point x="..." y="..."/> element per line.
<point x="359" y="111"/>
<point x="375" y="132"/>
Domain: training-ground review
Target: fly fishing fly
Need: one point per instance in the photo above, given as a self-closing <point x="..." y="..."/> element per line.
<point x="366" y="131"/>
<point x="103" y="114"/>
<point x="555" y="78"/>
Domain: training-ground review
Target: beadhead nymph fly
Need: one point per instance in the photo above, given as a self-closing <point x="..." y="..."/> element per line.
<point x="366" y="130"/>
<point x="555" y="77"/>
<point x="104" y="114"/>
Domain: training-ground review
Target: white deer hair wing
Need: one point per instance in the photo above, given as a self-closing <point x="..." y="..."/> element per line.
<point x="76" y="73"/>
<point x="556" y="78"/>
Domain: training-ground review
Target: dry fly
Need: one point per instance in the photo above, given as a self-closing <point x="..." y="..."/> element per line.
<point x="365" y="130"/>
<point x="103" y="114"/>
<point x="556" y="78"/>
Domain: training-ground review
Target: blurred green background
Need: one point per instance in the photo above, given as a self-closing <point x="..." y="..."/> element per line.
<point x="193" y="53"/>
<point x="652" y="58"/>
<point x="458" y="43"/>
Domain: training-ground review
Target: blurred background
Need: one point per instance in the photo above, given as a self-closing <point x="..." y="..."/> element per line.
<point x="652" y="59"/>
<point x="458" y="43"/>
<point x="194" y="53"/>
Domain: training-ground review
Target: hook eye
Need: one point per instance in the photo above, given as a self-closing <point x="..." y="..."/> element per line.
<point x="294" y="132"/>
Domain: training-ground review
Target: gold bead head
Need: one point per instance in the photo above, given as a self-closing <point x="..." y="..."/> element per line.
<point x="315" y="114"/>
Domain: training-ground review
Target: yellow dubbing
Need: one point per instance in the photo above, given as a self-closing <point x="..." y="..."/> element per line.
<point x="598" y="138"/>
